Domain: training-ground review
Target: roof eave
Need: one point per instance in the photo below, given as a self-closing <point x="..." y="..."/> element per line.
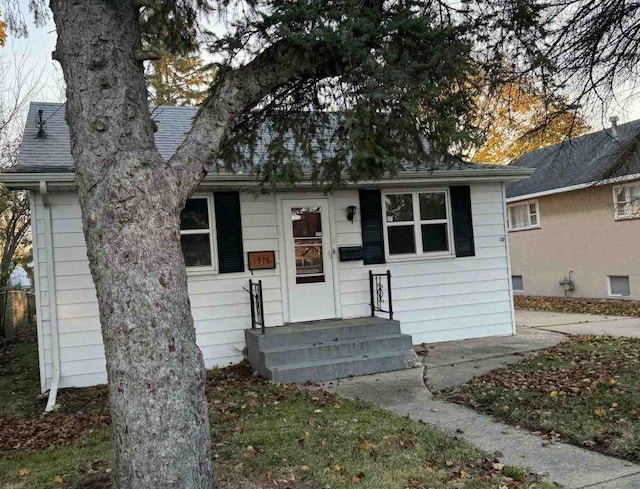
<point x="401" y="179"/>
<point x="580" y="186"/>
<point x="32" y="180"/>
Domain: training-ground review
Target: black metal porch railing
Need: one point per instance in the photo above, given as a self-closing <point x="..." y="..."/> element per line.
<point x="377" y="284"/>
<point x="257" y="305"/>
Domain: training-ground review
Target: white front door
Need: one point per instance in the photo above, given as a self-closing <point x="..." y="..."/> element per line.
<point x="309" y="255"/>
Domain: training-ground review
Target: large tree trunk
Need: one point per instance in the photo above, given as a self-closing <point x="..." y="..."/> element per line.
<point x="131" y="201"/>
<point x="130" y="209"/>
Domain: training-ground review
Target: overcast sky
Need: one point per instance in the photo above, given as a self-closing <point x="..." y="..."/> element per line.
<point x="41" y="42"/>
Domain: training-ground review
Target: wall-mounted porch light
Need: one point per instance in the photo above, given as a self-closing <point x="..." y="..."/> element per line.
<point x="351" y="212"/>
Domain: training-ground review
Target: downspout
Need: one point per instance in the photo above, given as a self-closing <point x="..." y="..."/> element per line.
<point x="505" y="209"/>
<point x="53" y="312"/>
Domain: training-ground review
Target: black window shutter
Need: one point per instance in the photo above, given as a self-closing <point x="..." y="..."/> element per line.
<point x="462" y="221"/>
<point x="371" y="222"/>
<point x="229" y="232"/>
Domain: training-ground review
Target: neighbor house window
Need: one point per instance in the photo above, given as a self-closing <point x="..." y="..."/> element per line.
<point x="619" y="285"/>
<point x="626" y="200"/>
<point x="517" y="283"/>
<point x="196" y="234"/>
<point x="417" y="223"/>
<point x="523" y="215"/>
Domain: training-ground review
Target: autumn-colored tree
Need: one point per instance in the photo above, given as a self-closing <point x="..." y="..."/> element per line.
<point x="178" y="80"/>
<point x="3" y="33"/>
<point x="518" y="118"/>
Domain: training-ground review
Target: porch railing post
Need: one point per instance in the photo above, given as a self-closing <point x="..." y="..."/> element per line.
<point x="373" y="309"/>
<point x="253" y="307"/>
<point x="389" y="294"/>
<point x="261" y="307"/>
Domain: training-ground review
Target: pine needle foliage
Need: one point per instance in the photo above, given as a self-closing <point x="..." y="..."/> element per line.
<point x="406" y="72"/>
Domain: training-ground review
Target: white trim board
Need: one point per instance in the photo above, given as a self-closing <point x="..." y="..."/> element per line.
<point x="239" y="181"/>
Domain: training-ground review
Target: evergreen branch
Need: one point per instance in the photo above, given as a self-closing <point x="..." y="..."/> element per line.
<point x="237" y="91"/>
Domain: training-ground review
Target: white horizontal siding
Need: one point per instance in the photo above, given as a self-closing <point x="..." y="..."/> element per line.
<point x="219" y="328"/>
<point x="438" y="299"/>
<point x="435" y="300"/>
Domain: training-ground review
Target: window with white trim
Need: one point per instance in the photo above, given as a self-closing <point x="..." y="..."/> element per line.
<point x="523" y="215"/>
<point x="196" y="233"/>
<point x="619" y="286"/>
<point x="417" y="223"/>
<point x="626" y="201"/>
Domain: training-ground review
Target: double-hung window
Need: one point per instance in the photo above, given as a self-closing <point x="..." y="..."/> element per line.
<point x="417" y="223"/>
<point x="196" y="233"/>
<point x="626" y="200"/>
<point x="523" y="215"/>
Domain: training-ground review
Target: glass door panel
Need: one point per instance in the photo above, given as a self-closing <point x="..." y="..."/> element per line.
<point x="307" y="242"/>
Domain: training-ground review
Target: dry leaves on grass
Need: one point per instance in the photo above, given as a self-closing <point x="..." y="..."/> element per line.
<point x="607" y="307"/>
<point x="48" y="431"/>
<point x="231" y="392"/>
<point x="563" y="371"/>
<point x="82" y="412"/>
<point x="585" y="390"/>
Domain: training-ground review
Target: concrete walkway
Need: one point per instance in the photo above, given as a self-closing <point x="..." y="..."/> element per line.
<point x="567" y="323"/>
<point x="405" y="394"/>
<point x="456" y="362"/>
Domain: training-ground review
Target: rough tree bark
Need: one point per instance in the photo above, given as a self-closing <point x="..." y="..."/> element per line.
<point x="131" y="201"/>
<point x="130" y="211"/>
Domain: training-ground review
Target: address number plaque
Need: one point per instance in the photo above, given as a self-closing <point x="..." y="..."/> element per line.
<point x="262" y="260"/>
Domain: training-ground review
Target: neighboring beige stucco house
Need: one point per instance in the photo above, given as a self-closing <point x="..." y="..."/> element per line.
<point x="574" y="226"/>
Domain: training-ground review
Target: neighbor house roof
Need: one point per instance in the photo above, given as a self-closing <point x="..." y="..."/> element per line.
<point x="606" y="155"/>
<point x="51" y="156"/>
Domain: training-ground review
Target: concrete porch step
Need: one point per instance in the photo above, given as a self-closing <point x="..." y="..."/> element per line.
<point x="335" y="349"/>
<point x="322" y="331"/>
<point x="338" y="368"/>
<point x="328" y="350"/>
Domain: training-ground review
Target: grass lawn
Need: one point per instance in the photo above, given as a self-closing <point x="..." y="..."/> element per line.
<point x="264" y="435"/>
<point x="606" y="307"/>
<point x="585" y="391"/>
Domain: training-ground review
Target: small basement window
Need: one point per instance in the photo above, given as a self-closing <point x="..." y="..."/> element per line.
<point x="196" y="234"/>
<point x="517" y="283"/>
<point x="626" y="201"/>
<point x="523" y="215"/>
<point x="619" y="286"/>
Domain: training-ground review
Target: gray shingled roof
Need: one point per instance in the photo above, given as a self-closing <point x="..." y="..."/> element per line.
<point x="52" y="154"/>
<point x="585" y="159"/>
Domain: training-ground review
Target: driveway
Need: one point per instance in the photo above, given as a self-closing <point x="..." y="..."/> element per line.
<point x="568" y="323"/>
<point x="457" y="362"/>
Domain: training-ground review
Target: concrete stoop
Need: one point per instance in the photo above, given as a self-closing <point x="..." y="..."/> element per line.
<point x="328" y="350"/>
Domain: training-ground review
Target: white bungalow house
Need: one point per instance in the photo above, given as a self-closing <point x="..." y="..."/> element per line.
<point x="440" y="234"/>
